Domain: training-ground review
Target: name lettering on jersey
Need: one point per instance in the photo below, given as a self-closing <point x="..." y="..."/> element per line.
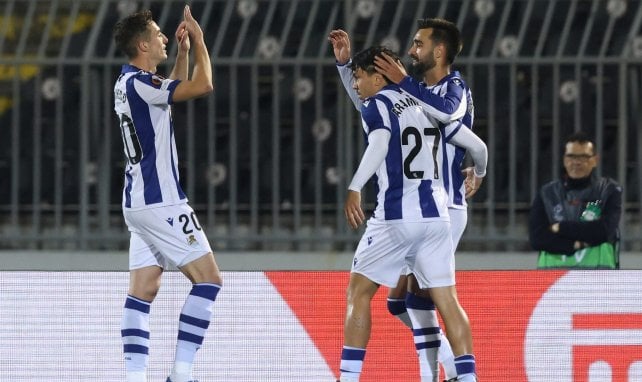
<point x="403" y="104"/>
<point x="120" y="95"/>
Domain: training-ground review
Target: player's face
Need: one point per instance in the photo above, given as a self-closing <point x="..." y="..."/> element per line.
<point x="157" y="47"/>
<point x="366" y="84"/>
<point x="422" y="51"/>
<point x="579" y="159"/>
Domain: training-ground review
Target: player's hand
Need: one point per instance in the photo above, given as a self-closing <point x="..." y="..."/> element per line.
<point x="352" y="209"/>
<point x="389" y="67"/>
<point x="182" y="38"/>
<point x="341" y="45"/>
<point x="191" y="25"/>
<point x="472" y="182"/>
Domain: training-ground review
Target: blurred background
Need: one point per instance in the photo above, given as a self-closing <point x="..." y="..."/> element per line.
<point x="266" y="159"/>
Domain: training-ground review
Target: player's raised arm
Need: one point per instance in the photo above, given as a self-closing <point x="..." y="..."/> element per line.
<point x="340" y="41"/>
<point x="201" y="82"/>
<point x="447" y="107"/>
<point x="181" y="66"/>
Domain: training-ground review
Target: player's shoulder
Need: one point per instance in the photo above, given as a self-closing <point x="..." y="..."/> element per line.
<point x="455" y="78"/>
<point x="151" y="79"/>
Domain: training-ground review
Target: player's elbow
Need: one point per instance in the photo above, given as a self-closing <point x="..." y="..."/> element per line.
<point x="204" y="88"/>
<point x="192" y="89"/>
<point x="208" y="88"/>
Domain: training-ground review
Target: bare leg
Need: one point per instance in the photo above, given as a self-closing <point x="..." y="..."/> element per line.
<point x="357" y="327"/>
<point x="358" y="318"/>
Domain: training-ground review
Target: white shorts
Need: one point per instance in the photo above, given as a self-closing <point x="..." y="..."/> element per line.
<point x="165" y="235"/>
<point x="458" y="220"/>
<point x="384" y="250"/>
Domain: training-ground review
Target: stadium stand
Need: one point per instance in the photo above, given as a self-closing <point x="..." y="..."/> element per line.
<point x="266" y="159"/>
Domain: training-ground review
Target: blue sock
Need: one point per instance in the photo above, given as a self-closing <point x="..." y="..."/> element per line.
<point x="135" y="334"/>
<point x="465" y="365"/>
<point x="397" y="307"/>
<point x="426" y="333"/>
<point x="351" y="363"/>
<point x="194" y="321"/>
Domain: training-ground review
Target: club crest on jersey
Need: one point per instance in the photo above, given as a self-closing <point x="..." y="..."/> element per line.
<point x="157" y="80"/>
<point x="191" y="240"/>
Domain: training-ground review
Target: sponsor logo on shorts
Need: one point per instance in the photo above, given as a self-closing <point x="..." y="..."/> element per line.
<point x="369" y="240"/>
<point x="170" y="221"/>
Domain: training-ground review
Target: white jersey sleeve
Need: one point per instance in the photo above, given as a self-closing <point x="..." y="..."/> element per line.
<point x="372" y="158"/>
<point x="458" y="134"/>
<point x="347" y="79"/>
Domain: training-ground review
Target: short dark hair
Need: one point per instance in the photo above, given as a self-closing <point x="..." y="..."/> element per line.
<point x="446" y="32"/>
<point x="364" y="60"/>
<point x="128" y="31"/>
<point x="581" y="138"/>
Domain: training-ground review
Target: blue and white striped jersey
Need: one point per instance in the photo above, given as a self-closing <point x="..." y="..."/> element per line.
<point x="409" y="180"/>
<point x="452" y="103"/>
<point x="142" y="104"/>
<point x="449" y="103"/>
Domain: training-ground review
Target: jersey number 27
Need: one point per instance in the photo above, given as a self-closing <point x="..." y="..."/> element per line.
<point x="429" y="131"/>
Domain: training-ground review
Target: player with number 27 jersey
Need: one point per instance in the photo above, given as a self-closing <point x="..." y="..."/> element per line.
<point x="142" y="103"/>
<point x="409" y="184"/>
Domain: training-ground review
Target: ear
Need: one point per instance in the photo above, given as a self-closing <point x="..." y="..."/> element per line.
<point x="142" y="45"/>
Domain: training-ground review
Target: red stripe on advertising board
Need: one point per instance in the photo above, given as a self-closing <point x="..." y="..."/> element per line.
<point x="594" y="321"/>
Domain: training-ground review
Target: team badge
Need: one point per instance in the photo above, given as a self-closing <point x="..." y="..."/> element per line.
<point x="157" y="81"/>
<point x="191" y="240"/>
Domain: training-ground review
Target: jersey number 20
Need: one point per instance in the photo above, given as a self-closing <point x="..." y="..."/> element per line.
<point x="132" y="145"/>
<point x="410" y="130"/>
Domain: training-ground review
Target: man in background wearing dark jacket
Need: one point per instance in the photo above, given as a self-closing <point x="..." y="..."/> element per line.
<point x="574" y="220"/>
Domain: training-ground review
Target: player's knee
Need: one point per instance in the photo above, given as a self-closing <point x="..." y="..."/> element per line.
<point x="416" y="301"/>
<point x="145" y="292"/>
<point x="396" y="306"/>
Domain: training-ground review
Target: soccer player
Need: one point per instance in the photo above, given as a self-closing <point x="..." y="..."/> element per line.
<point x="449" y="86"/>
<point x="164" y="228"/>
<point x="410" y="225"/>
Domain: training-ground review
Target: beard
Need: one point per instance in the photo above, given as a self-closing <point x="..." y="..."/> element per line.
<point x="420" y="67"/>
